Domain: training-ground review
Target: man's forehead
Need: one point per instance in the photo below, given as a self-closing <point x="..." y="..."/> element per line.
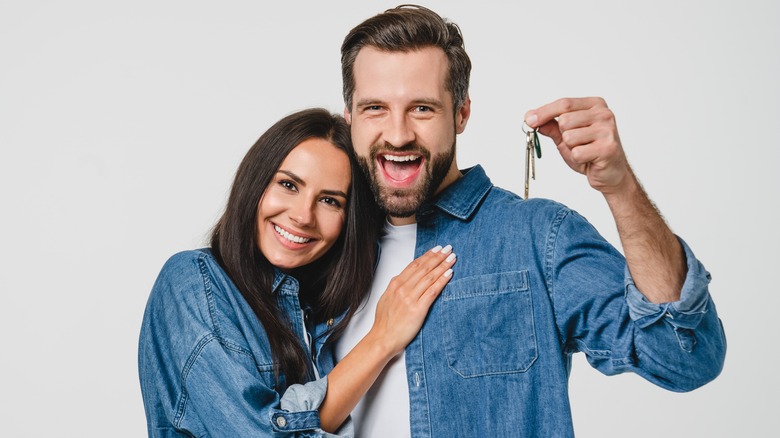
<point x="376" y="69"/>
<point x="433" y="54"/>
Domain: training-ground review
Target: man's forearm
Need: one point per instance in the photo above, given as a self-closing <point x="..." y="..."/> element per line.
<point x="653" y="253"/>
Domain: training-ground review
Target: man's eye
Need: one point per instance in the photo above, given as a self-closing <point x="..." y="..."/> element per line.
<point x="373" y="108"/>
<point x="422" y="108"/>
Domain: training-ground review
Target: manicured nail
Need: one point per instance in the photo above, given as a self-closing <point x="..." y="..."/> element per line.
<point x="436" y="248"/>
<point x="531" y="119"/>
<point x="446" y="249"/>
<point x="448" y="273"/>
<point x="450" y="258"/>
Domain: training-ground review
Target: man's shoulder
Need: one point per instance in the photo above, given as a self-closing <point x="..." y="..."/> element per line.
<point x="505" y="200"/>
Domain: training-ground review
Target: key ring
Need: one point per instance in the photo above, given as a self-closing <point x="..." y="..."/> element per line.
<point x="535" y="133"/>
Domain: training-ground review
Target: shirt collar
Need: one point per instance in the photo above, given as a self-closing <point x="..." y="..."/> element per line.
<point x="463" y="196"/>
<point x="284" y="282"/>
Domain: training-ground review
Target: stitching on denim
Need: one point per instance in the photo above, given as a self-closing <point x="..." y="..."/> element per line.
<point x="549" y="253"/>
<point x="204" y="272"/>
<point x="549" y="257"/>
<point x="596" y="353"/>
<point x="425" y="382"/>
<point x="464" y="213"/>
<point x="184" y="397"/>
<point x="199" y="347"/>
<point x="522" y="286"/>
<point x="524" y="367"/>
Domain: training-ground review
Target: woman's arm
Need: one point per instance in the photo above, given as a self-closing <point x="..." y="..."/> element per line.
<point x="399" y="316"/>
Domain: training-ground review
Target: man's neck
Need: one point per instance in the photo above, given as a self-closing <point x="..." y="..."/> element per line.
<point x="397" y="221"/>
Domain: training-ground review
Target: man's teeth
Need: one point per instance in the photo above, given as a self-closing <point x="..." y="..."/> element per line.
<point x="290" y="237"/>
<point x="401" y="158"/>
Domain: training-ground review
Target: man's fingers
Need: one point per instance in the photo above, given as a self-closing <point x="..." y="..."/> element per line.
<point x="552" y="130"/>
<point x="544" y="114"/>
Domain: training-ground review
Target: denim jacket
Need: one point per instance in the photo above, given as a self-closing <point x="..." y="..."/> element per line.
<point x="205" y="362"/>
<point x="535" y="283"/>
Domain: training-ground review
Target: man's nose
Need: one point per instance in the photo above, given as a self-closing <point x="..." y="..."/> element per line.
<point x="399" y="132"/>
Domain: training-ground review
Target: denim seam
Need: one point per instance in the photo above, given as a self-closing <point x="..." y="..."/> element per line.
<point x="184" y="397"/>
<point x="209" y="295"/>
<point x="425" y="384"/>
<point x="464" y="212"/>
<point x="549" y="257"/>
<point x="191" y="362"/>
<point x="583" y="347"/>
<point x="485" y="293"/>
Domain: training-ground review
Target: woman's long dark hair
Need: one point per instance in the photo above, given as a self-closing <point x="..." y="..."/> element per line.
<point x="332" y="285"/>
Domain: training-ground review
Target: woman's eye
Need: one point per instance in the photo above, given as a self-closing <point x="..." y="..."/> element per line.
<point x="331" y="201"/>
<point x="288" y="185"/>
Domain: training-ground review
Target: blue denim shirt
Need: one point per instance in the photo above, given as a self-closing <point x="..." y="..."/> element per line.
<point x="535" y="283"/>
<point x="205" y="362"/>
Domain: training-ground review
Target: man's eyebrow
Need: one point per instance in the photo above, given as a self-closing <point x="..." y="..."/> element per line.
<point x="368" y="101"/>
<point x="302" y="183"/>
<point x="430" y="102"/>
<point x="422" y="101"/>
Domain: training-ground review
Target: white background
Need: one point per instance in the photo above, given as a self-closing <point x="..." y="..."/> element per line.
<point x="122" y="123"/>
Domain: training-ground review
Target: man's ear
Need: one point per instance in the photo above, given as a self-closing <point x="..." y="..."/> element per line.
<point x="462" y="116"/>
<point x="347" y="115"/>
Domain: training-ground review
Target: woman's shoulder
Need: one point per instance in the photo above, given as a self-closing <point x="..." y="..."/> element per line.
<point x="184" y="284"/>
<point x="185" y="261"/>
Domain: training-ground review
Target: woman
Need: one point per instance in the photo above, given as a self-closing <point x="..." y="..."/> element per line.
<point x="236" y="339"/>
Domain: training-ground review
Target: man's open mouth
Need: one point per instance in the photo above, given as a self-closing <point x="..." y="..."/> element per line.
<point x="400" y="169"/>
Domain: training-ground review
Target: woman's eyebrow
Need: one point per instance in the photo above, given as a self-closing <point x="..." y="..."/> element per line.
<point x="293" y="176"/>
<point x="301" y="182"/>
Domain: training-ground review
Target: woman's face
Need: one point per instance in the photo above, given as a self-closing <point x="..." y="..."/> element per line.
<point x="302" y="212"/>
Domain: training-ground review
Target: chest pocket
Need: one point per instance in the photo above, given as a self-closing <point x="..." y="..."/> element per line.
<point x="489" y="324"/>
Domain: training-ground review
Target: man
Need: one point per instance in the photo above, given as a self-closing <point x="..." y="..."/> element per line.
<point x="534" y="282"/>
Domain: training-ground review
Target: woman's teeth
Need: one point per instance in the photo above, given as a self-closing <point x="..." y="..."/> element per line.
<point x="290" y="237"/>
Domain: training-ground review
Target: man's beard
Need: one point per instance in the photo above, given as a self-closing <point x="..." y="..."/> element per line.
<point x="406" y="202"/>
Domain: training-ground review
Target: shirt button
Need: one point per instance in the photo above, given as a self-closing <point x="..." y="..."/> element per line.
<point x="330" y="322"/>
<point x="281" y="421"/>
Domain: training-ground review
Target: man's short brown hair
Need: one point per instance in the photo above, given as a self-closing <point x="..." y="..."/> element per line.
<point x="406" y="28"/>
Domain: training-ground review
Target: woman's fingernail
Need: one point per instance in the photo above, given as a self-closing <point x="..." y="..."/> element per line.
<point x="446" y="249"/>
<point x="531" y="119"/>
<point x="450" y="257"/>
<point x="448" y="273"/>
<point x="436" y="248"/>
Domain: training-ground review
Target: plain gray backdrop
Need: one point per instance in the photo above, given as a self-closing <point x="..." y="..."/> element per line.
<point x="122" y="124"/>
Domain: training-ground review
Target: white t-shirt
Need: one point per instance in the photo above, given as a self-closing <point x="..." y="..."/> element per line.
<point x="384" y="410"/>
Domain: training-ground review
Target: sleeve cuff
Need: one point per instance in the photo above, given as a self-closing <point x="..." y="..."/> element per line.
<point x="685" y="313"/>
<point x="298" y="410"/>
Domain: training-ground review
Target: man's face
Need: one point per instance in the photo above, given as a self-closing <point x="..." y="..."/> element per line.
<point x="404" y="126"/>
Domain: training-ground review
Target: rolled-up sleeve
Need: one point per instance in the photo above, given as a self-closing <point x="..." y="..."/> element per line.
<point x="309" y="397"/>
<point x="599" y="311"/>
<point x="687" y="312"/>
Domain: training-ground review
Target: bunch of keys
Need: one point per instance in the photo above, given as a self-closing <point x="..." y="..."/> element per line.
<point x="532" y="150"/>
